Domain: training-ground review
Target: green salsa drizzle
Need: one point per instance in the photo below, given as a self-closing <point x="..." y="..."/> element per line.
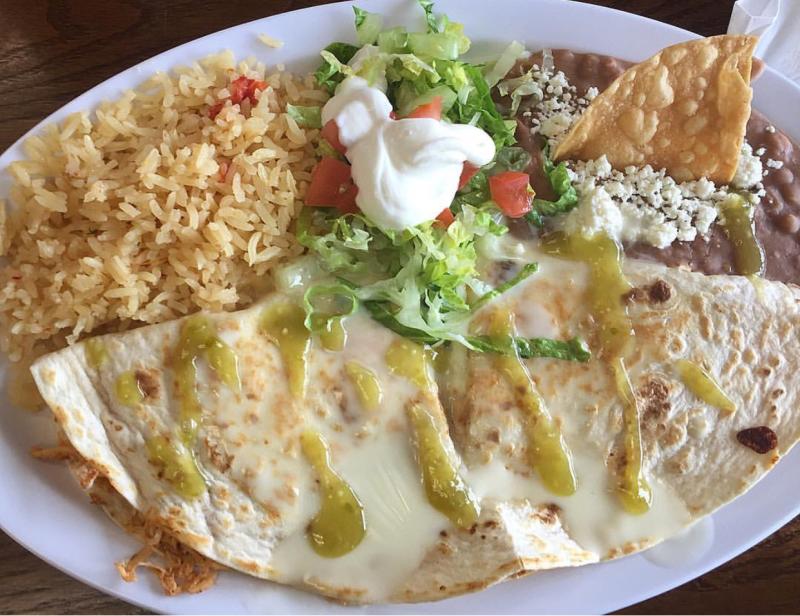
<point x="366" y="384"/>
<point x="333" y="335"/>
<point x="198" y="338"/>
<point x="547" y="452"/>
<point x="177" y="466"/>
<point x="446" y="490"/>
<point x="703" y="385"/>
<point x="339" y="525"/>
<point x="615" y="338"/>
<point x="408" y="359"/>
<point x="96" y="352"/>
<point x="748" y="256"/>
<point x="283" y="323"/>
<point x="127" y="389"/>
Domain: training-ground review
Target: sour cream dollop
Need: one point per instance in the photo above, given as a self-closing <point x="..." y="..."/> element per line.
<point x="407" y="171"/>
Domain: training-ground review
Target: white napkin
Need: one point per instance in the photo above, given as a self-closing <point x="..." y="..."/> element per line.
<point x="777" y="23"/>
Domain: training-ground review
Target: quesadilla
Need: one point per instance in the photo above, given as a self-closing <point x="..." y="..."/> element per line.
<point x="245" y="493"/>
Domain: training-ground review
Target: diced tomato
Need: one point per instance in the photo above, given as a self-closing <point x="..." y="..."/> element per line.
<point x="214" y="110"/>
<point x="239" y="88"/>
<point x="511" y="192"/>
<point x="245" y="88"/>
<point x="445" y="218"/>
<point x="346" y="201"/>
<point x="392" y="115"/>
<point x="466" y="175"/>
<point x="330" y="132"/>
<point x="258" y="86"/>
<point x="332" y="186"/>
<point x="431" y="110"/>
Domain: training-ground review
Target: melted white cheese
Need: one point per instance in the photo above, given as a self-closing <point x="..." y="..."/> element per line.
<point x="371" y="450"/>
<point x="373" y="453"/>
<point x="407" y="171"/>
<point x="593" y="515"/>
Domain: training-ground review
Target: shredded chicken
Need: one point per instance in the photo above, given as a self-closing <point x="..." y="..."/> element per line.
<point x="178" y="568"/>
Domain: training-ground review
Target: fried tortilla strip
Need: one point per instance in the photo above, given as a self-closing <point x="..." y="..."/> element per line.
<point x="685" y="110"/>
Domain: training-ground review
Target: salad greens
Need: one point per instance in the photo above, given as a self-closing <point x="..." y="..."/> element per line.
<point x="422" y="282"/>
<point x="562" y="187"/>
<point x="574" y="349"/>
<point x="333" y="70"/>
<point x="419" y="66"/>
<point x="306" y="117"/>
<point x="419" y="279"/>
<point x="368" y="26"/>
<point x="476" y="192"/>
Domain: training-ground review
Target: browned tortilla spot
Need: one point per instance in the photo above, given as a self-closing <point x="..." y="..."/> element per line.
<point x="760" y="439"/>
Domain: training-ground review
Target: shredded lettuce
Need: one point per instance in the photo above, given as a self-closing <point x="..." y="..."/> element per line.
<point x="558" y="177"/>
<point x="418" y="282"/>
<point x="573" y="349"/>
<point x="307" y="117"/>
<point x="476" y="192"/>
<point x="419" y="279"/>
<point x="430" y="17"/>
<point x="393" y="40"/>
<point x="504" y="63"/>
<point x="418" y="66"/>
<point x="517" y="88"/>
<point x="325" y="302"/>
<point x="407" y="98"/>
<point x="527" y="270"/>
<point x="368" y="26"/>
<point x="333" y="68"/>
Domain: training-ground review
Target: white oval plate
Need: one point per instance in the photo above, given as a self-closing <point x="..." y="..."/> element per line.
<point x="42" y="508"/>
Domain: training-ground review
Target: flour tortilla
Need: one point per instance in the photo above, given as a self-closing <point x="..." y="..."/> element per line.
<point x="236" y="522"/>
<point x="744" y="334"/>
<point x="685" y="109"/>
<point x="690" y="448"/>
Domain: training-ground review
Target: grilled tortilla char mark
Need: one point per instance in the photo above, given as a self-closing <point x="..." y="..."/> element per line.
<point x="760" y="439"/>
<point x="777" y="218"/>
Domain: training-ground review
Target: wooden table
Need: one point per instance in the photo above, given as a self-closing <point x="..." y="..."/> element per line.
<point x="53" y="50"/>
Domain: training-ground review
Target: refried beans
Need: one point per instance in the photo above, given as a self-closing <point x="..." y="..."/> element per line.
<point x="777" y="216"/>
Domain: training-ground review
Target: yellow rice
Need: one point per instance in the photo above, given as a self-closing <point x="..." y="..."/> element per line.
<point x="125" y="216"/>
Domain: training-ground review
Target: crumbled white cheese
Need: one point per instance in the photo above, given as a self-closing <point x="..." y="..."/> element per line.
<point x="770" y="128"/>
<point x="750" y="170"/>
<point x="555" y="125"/>
<point x="654" y="208"/>
<point x="556" y="104"/>
<point x="639" y="204"/>
<point x="774" y="164"/>
<point x="596" y="212"/>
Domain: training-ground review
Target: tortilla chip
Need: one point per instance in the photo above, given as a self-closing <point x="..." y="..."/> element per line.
<point x="685" y="110"/>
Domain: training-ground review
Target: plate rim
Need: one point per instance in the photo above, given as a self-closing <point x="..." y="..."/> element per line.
<point x="130" y="74"/>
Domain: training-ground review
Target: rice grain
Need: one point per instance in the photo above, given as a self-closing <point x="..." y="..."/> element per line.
<point x="149" y="209"/>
